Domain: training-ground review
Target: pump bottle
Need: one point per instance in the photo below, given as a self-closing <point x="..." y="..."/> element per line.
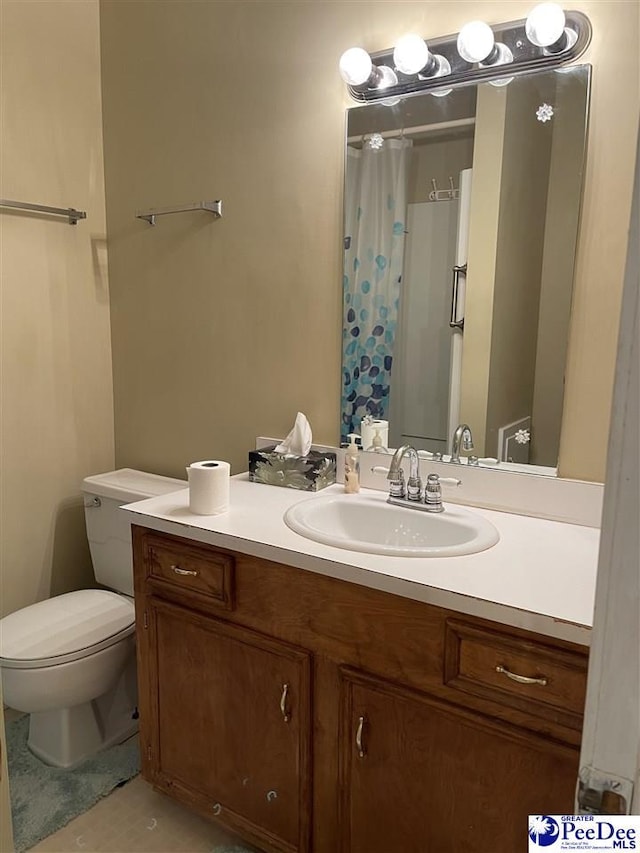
<point x="352" y="466"/>
<point x="376" y="443"/>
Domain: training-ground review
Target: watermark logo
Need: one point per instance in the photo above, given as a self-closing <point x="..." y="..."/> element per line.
<point x="585" y="833"/>
<point x="543" y="830"/>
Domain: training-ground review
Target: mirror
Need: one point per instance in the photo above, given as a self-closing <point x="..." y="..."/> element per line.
<point x="461" y="222"/>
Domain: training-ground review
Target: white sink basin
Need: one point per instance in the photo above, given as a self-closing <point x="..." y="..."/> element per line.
<point x="370" y="524"/>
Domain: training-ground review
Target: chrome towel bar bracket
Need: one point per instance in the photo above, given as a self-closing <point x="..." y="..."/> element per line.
<point x="214" y="207"/>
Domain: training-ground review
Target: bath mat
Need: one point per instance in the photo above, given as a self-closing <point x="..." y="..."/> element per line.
<point x="44" y="799"/>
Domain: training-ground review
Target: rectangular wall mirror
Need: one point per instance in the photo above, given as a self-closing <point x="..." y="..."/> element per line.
<point x="461" y="223"/>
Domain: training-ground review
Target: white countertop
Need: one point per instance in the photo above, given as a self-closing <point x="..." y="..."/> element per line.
<point x="540" y="576"/>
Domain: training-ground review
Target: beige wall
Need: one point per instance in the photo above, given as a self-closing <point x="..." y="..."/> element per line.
<point x="482" y="258"/>
<point x="439" y="158"/>
<point x="561" y="230"/>
<point x="516" y="297"/>
<point x="57" y="410"/>
<point x="222" y="330"/>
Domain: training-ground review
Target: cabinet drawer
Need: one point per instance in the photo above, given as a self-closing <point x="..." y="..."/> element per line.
<point x="542" y="680"/>
<point x="189" y="567"/>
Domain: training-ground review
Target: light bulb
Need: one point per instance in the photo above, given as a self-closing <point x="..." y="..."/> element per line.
<point x="355" y="66"/>
<point x="545" y="24"/>
<point x="411" y="54"/>
<point x="475" y="41"/>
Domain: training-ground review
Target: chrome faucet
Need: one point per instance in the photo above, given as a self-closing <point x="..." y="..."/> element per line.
<point x="429" y="500"/>
<point x="462" y="434"/>
<point x="396" y="475"/>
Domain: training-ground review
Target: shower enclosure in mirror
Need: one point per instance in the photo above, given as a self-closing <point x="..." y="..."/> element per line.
<point x="461" y="222"/>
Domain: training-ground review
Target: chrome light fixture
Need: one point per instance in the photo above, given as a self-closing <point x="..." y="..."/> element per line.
<point x="548" y="38"/>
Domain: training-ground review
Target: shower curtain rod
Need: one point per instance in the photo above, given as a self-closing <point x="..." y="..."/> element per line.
<point x="421" y="128"/>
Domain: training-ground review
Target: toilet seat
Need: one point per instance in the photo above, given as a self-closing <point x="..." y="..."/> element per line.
<point x="65" y="628"/>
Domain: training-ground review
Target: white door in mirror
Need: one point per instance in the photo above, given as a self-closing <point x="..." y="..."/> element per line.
<point x="367" y="523"/>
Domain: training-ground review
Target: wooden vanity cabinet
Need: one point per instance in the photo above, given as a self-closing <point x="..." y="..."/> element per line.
<point x="421" y="742"/>
<point x="418" y="776"/>
<point x="225" y="712"/>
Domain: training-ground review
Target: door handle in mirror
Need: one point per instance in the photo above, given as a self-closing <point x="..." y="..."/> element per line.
<point x="454" y="323"/>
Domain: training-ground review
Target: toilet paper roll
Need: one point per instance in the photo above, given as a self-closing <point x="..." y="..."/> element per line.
<point x="368" y="431"/>
<point x="209" y="487"/>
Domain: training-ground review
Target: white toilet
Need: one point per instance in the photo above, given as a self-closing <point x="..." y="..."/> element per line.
<point x="69" y="661"/>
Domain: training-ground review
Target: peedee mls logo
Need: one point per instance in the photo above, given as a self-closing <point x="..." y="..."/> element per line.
<point x="583" y="832"/>
<point x="543" y="830"/>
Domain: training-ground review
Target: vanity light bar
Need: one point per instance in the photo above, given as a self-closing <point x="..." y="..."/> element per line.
<point x="514" y="52"/>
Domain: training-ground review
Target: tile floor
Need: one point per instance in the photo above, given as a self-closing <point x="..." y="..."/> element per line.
<point x="137" y="819"/>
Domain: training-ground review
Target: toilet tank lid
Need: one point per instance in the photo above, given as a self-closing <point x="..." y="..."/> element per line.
<point x="128" y="485"/>
<point x="64" y="624"/>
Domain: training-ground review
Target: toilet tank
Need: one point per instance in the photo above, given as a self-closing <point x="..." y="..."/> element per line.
<point x="108" y="529"/>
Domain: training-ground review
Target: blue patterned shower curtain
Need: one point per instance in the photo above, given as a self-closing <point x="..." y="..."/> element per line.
<point x="375" y="217"/>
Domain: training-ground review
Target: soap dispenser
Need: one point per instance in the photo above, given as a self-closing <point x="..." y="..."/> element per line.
<point x="352" y="466"/>
<point x="376" y="443"/>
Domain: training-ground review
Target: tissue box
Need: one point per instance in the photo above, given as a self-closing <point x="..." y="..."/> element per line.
<point x="308" y="473"/>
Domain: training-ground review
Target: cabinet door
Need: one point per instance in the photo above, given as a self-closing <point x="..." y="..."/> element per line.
<point x="227" y="724"/>
<point x="418" y="776"/>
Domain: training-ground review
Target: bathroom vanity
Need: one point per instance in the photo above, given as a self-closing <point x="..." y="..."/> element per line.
<point x="313" y="699"/>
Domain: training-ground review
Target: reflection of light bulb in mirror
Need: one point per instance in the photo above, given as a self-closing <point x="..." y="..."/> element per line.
<point x="475" y="41"/>
<point x="383" y="77"/>
<point x="411" y="54"/>
<point x="545" y="24"/>
<point x="501" y="81"/>
<point x="355" y="66"/>
<point x="441" y="93"/>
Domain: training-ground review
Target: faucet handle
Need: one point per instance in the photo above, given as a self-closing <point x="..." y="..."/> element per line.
<point x="433" y="491"/>
<point x="447" y="481"/>
<point x="397" y="485"/>
<point x="435" y="456"/>
<point x="433" y="494"/>
<point x="397" y="488"/>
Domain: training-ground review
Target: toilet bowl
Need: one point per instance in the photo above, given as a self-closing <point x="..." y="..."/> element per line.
<point x="69" y="661"/>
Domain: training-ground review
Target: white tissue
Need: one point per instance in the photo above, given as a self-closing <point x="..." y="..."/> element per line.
<point x="298" y="442"/>
<point x="209" y="487"/>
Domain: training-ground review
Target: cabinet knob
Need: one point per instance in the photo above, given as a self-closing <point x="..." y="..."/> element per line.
<point x="284" y="710"/>
<point x="359" y="731"/>
<point x="523" y="679"/>
<point x="217" y="808"/>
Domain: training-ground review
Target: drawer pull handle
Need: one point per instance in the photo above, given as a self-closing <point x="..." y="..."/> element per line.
<point x="359" y="745"/>
<point x="286" y="715"/>
<point x="180" y="571"/>
<point x="523" y="679"/>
